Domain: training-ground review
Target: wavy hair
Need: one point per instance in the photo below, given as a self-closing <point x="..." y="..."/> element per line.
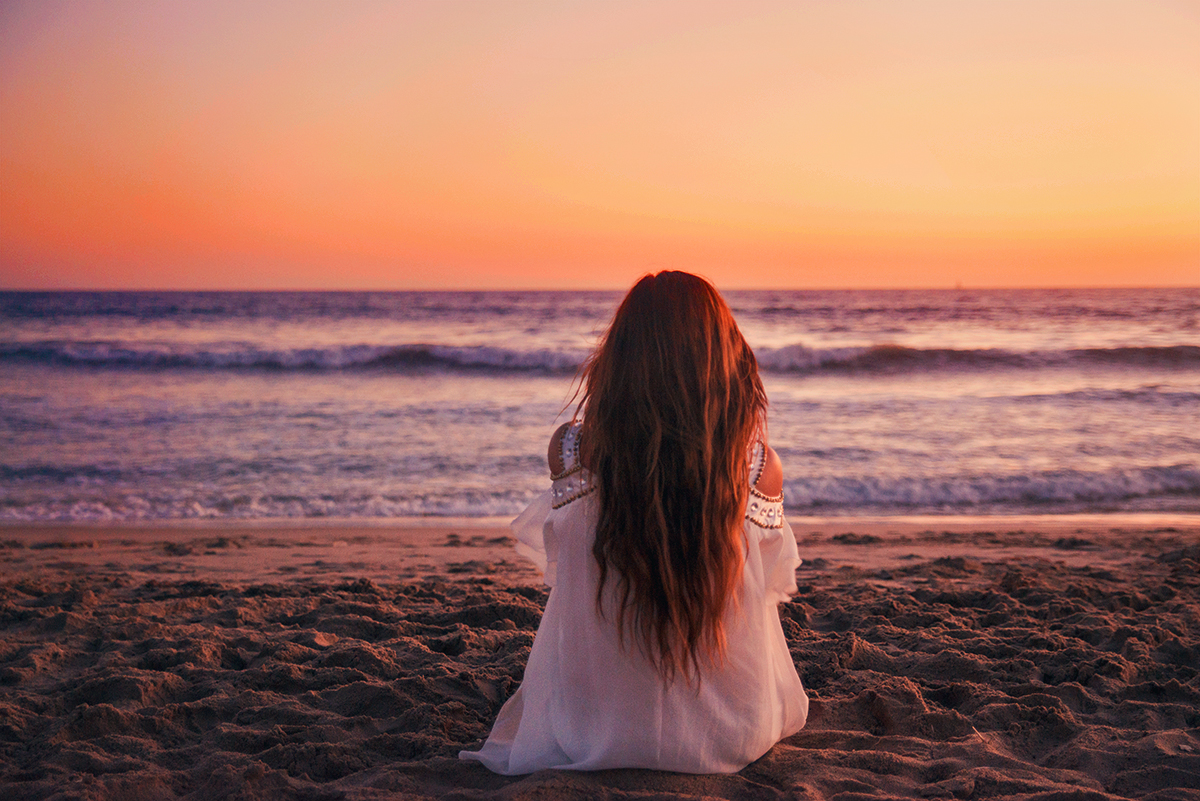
<point x="671" y="405"/>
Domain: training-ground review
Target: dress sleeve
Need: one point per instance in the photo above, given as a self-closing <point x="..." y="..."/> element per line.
<point x="780" y="558"/>
<point x="530" y="530"/>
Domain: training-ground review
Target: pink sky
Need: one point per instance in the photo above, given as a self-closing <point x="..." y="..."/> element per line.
<point x="547" y="144"/>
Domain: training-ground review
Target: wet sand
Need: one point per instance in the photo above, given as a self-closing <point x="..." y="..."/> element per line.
<point x="973" y="658"/>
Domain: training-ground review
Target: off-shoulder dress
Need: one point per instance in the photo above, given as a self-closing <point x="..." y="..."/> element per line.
<point x="587" y="703"/>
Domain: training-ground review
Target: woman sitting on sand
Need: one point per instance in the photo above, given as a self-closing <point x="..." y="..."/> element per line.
<point x="665" y="547"/>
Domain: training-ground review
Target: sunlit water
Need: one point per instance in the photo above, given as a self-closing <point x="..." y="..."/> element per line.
<point x="241" y="405"/>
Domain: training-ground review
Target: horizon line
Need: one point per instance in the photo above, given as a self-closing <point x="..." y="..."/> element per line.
<point x="943" y="288"/>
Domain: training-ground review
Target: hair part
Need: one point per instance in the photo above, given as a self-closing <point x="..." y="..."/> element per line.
<point x="672" y="404"/>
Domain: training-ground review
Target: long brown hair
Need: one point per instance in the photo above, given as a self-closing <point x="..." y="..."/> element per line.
<point x="671" y="404"/>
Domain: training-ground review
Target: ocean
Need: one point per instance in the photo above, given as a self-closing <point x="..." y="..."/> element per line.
<point x="129" y="406"/>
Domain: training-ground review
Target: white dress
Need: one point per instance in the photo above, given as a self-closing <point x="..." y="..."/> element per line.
<point x="587" y="704"/>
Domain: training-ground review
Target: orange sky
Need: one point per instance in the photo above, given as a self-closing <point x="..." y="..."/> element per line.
<point x="896" y="143"/>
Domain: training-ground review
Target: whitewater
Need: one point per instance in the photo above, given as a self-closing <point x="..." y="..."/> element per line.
<point x="174" y="405"/>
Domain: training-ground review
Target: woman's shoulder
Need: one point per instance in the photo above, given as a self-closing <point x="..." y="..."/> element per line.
<point x="770" y="476"/>
<point x="554" y="454"/>
<point x="569" y="480"/>
<point x="563" y="454"/>
<point x="764" y="507"/>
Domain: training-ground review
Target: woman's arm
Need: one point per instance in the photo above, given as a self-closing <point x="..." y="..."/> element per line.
<point x="770" y="483"/>
<point x="554" y="453"/>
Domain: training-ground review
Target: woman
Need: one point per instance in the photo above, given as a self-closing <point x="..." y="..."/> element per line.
<point x="664" y="544"/>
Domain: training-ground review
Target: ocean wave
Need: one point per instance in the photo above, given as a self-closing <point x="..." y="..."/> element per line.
<point x="131" y="507"/>
<point x="237" y="356"/>
<point x="1118" y="489"/>
<point x="1158" y="488"/>
<point x="1150" y="393"/>
<point x="888" y="358"/>
<point x="205" y="306"/>
<point x="884" y="358"/>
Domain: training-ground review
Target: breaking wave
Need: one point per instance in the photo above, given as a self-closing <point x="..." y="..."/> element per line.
<point x="1160" y="486"/>
<point x="237" y="356"/>
<point x="898" y="358"/>
<point x="454" y="358"/>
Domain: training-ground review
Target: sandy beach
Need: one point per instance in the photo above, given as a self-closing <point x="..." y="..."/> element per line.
<point x="1004" y="657"/>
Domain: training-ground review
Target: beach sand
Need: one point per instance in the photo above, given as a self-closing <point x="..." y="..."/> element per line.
<point x="969" y="658"/>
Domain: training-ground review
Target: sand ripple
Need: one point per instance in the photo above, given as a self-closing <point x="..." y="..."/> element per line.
<point x="946" y="678"/>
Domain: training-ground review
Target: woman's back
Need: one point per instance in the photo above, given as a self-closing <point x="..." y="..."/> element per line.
<point x="660" y="646"/>
<point x="589" y="701"/>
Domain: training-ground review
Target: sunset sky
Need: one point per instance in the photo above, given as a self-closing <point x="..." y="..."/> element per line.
<point x="569" y="144"/>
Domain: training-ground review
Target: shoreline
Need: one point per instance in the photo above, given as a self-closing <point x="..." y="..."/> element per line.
<point x="455" y="549"/>
<point x="1138" y="519"/>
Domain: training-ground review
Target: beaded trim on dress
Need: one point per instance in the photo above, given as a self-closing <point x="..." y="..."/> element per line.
<point x="574" y="482"/>
<point x="764" y="510"/>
